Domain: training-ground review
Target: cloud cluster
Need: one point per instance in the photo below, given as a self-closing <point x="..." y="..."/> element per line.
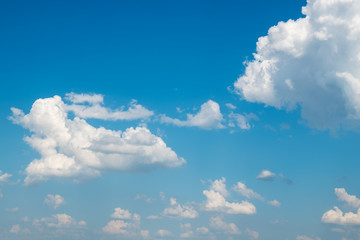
<point x="312" y="62"/>
<point x="54" y="201"/>
<point x="216" y="201"/>
<point x="72" y="148"/>
<point x="59" y="221"/>
<point x="208" y="117"/>
<point x="91" y="106"/>
<point x="4" y="177"/>
<point x="177" y="210"/>
<point x="336" y="216"/>
<point x="246" y="192"/>
<point x="227" y="228"/>
<point x="126" y="223"/>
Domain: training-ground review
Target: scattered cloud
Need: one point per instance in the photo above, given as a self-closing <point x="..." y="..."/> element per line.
<point x="4" y="177"/>
<point x="253" y="234"/>
<point x="116" y="227"/>
<point x="144" y="233"/>
<point x="311" y="63"/>
<point x="303" y="237"/>
<point x="215" y="201"/>
<point x="12" y="210"/>
<point x="246" y="192"/>
<point x="143" y="196"/>
<point x="72" y="148"/>
<point x="336" y="216"/>
<point x="126" y="224"/>
<point x="164" y="233"/>
<point x="15" y="229"/>
<point x="209" y="117"/>
<point x="217" y="223"/>
<point x="230" y="106"/>
<point x="54" y="201"/>
<point x="177" y="210"/>
<point x="60" y="221"/>
<point x="266" y="175"/>
<point x="274" y="203"/>
<point x="94" y="108"/>
<point x="121" y="214"/>
<point x="343" y="196"/>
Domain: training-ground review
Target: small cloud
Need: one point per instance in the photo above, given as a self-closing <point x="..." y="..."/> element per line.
<point x="229" y="228"/>
<point x="4" y="177"/>
<point x="266" y="175"/>
<point x="16" y="209"/>
<point x="164" y="233"/>
<point x="181" y="211"/>
<point x="15" y="229"/>
<point x="246" y="192"/>
<point x="54" y="201"/>
<point x="253" y="234"/>
<point x="230" y="106"/>
<point x="274" y="203"/>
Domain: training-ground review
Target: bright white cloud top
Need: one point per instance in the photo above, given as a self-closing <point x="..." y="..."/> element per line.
<point x="177" y="210"/>
<point x="313" y="63"/>
<point x="54" y="201"/>
<point x="72" y="148"/>
<point x="336" y="216"/>
<point x="209" y="117"/>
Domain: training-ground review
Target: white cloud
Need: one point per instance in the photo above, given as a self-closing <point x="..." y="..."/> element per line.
<point x="144" y="233"/>
<point x="84" y="98"/>
<point x="164" y="233"/>
<point x="274" y="203"/>
<point x="228" y="228"/>
<point x="202" y="230"/>
<point x="16" y="209"/>
<point x="209" y="117"/>
<point x="121" y="214"/>
<point x="230" y="106"/>
<point x="143" y="196"/>
<point x="241" y="121"/>
<point x="351" y="200"/>
<point x="336" y="216"/>
<point x="177" y="210"/>
<point x="266" y="175"/>
<point x="219" y="186"/>
<point x="15" y="229"/>
<point x="4" y="177"/>
<point x="303" y="237"/>
<point x="54" y="201"/>
<point x="253" y="234"/>
<point x="246" y="192"/>
<point x="60" y="221"/>
<point x="215" y="201"/>
<point x="311" y="63"/>
<point x="116" y="227"/>
<point x="72" y="148"/>
<point x="95" y="109"/>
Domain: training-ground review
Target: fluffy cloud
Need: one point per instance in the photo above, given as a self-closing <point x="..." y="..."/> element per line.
<point x="351" y="200"/>
<point x="94" y="108"/>
<point x="4" y="177"/>
<point x="54" y="201"/>
<point x="215" y="201"/>
<point x="209" y="117"/>
<point x="228" y="228"/>
<point x="72" y="148"/>
<point x="176" y="210"/>
<point x="246" y="192"/>
<point x="274" y="203"/>
<point x="15" y="229"/>
<point x="126" y="225"/>
<point x="60" y="221"/>
<point x="266" y="175"/>
<point x="336" y="216"/>
<point x="253" y="234"/>
<point x="15" y="209"/>
<point x="164" y="233"/>
<point x="312" y="63"/>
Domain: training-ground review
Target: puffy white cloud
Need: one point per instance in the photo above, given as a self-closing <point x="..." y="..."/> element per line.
<point x="230" y="106"/>
<point x="4" y="177"/>
<point x="246" y="192"/>
<point x="95" y="109"/>
<point x="351" y="200"/>
<point x="253" y="234"/>
<point x="209" y="117"/>
<point x="312" y="62"/>
<point x="266" y="175"/>
<point x="215" y="201"/>
<point x="121" y="214"/>
<point x="54" y="201"/>
<point x="241" y="121"/>
<point x="15" y="229"/>
<point x="60" y="221"/>
<point x="72" y="148"/>
<point x="336" y="216"/>
<point x="274" y="203"/>
<point x="219" y="186"/>
<point x="116" y="227"/>
<point x="144" y="233"/>
<point x="164" y="233"/>
<point x="177" y="210"/>
<point x="228" y="228"/>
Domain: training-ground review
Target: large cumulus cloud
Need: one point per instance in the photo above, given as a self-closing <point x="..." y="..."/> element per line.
<point x="75" y="149"/>
<point x="312" y="63"/>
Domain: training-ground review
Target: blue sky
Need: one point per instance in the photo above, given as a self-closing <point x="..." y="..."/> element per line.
<point x="180" y="120"/>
